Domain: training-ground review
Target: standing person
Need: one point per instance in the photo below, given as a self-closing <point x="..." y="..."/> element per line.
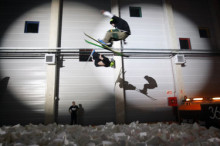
<point x="73" y="111"/>
<point x="121" y="31"/>
<point x="101" y="60"/>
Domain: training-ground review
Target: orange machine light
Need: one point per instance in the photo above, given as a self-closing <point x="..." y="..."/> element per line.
<point x="216" y="98"/>
<point x="197" y="99"/>
<point x="188" y="99"/>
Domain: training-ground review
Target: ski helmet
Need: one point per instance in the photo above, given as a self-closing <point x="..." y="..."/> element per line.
<point x="112" y="21"/>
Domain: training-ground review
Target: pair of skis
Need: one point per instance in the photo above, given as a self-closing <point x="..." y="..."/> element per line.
<point x="101" y="45"/>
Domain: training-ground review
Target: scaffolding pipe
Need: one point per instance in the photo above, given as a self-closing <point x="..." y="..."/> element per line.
<point x="40" y="52"/>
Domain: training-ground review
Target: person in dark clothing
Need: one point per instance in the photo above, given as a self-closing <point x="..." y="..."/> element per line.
<point x="73" y="111"/>
<point x="121" y="31"/>
<point x="101" y="60"/>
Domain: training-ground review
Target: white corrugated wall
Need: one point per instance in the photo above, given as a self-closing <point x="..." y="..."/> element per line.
<point x="148" y="31"/>
<point x="201" y="76"/>
<point x="189" y="16"/>
<point x="89" y="86"/>
<point x="151" y="105"/>
<point x="83" y="16"/>
<point x="23" y="86"/>
<point x="13" y="23"/>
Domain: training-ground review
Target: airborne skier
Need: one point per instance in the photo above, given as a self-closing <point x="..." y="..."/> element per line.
<point x="121" y="31"/>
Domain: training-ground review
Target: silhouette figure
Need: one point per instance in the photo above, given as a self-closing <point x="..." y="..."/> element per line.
<point x="127" y="86"/>
<point x="80" y="114"/>
<point x="151" y="84"/>
<point x="3" y="86"/>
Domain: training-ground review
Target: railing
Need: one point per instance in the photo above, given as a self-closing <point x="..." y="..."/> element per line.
<point x="65" y="52"/>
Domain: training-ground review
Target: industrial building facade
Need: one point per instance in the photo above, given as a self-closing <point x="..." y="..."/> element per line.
<point x="137" y="89"/>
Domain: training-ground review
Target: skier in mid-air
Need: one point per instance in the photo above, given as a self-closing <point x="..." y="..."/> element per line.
<point x="121" y="31"/>
<point x="101" y="60"/>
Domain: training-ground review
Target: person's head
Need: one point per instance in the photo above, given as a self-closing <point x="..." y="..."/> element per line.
<point x="73" y="103"/>
<point x="112" y="22"/>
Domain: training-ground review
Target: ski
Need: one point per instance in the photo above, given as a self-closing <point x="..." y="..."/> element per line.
<point x="94" y="44"/>
<point x="103" y="46"/>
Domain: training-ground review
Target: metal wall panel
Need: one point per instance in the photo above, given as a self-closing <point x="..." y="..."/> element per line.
<point x="148" y="31"/>
<point x="201" y="77"/>
<point x="22" y="91"/>
<point x="89" y="86"/>
<point x="188" y="17"/>
<point x="83" y="16"/>
<point x="152" y="105"/>
<point x="13" y="17"/>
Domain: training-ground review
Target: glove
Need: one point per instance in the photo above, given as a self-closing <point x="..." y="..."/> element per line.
<point x="107" y="13"/>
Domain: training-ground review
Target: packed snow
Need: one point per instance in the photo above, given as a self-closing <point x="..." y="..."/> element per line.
<point x="110" y="134"/>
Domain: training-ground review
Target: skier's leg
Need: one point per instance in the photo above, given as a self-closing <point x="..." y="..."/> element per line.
<point x="71" y="122"/>
<point x="120" y="35"/>
<point x="95" y="55"/>
<point x="107" y="37"/>
<point x="105" y="60"/>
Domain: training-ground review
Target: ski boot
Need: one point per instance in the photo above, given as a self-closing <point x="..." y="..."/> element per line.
<point x="107" y="44"/>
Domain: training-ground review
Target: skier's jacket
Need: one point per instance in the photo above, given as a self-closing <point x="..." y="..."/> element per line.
<point x="121" y="24"/>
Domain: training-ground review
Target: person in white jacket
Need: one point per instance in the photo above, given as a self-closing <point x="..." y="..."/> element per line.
<point x="121" y="31"/>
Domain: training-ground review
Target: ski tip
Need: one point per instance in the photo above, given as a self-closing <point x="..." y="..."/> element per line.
<point x="86" y="41"/>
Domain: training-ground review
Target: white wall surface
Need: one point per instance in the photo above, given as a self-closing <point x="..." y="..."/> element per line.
<point x="188" y="17"/>
<point x="24" y="98"/>
<point x="90" y="86"/>
<point x="201" y="77"/>
<point x="13" y="22"/>
<point x="83" y="16"/>
<point x="143" y="107"/>
<point x="148" y="31"/>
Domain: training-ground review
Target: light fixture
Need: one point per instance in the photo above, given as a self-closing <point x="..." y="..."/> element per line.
<point x="216" y="98"/>
<point x="188" y="99"/>
<point x="197" y="99"/>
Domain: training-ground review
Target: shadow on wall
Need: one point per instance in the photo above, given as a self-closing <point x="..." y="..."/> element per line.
<point x="12" y="111"/>
<point x="127" y="86"/>
<point x="104" y="112"/>
<point x="3" y="86"/>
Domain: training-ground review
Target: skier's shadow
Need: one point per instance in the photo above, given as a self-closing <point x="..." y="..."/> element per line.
<point x="3" y="85"/>
<point x="127" y="86"/>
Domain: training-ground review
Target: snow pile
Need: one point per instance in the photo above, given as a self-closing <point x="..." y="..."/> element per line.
<point x="110" y="134"/>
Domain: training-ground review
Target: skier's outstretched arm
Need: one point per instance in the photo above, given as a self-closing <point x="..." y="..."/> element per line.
<point x="107" y="13"/>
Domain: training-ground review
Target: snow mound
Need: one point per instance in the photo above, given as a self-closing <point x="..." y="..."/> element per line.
<point x="109" y="135"/>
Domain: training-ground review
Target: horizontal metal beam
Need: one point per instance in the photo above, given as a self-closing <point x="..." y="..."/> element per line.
<point x="40" y="52"/>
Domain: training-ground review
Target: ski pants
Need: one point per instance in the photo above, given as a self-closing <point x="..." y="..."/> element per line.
<point x="97" y="60"/>
<point x="73" y="119"/>
<point x="115" y="35"/>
